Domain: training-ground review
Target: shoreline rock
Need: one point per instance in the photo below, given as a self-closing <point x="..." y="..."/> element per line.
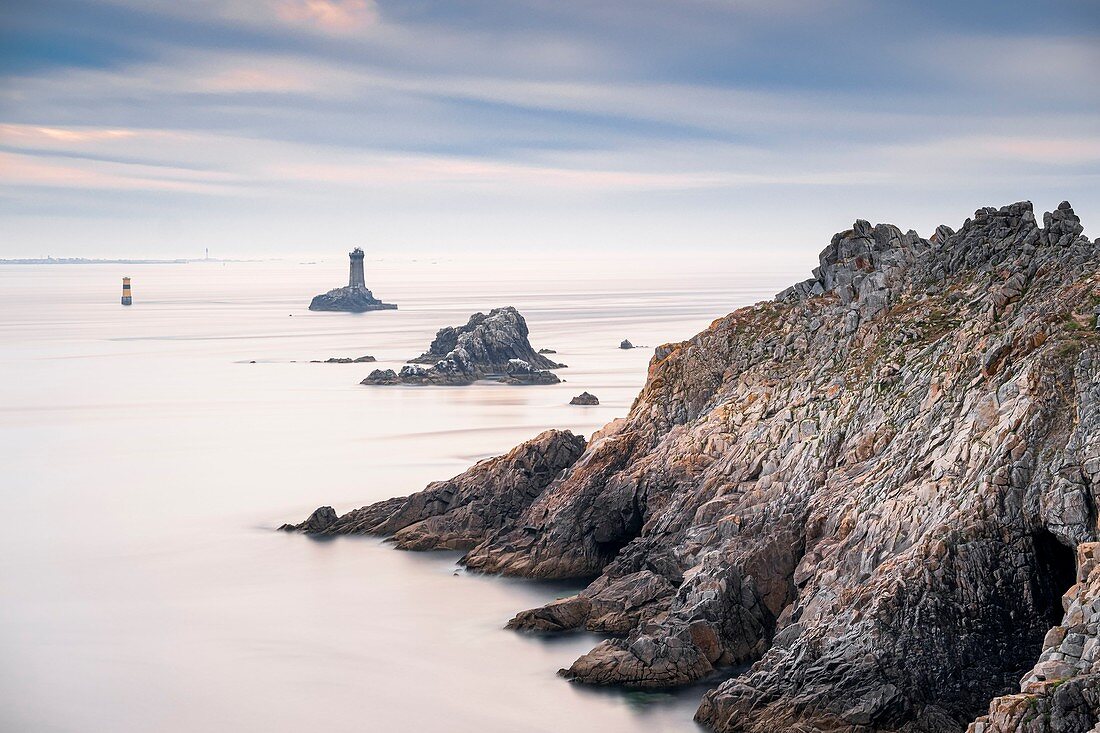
<point x="459" y="513"/>
<point x="585" y="398"/>
<point x="878" y="490"/>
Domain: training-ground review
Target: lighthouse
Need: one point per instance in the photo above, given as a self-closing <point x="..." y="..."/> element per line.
<point x="355" y="280"/>
<point x="354" y="297"/>
<point x="127" y="297"/>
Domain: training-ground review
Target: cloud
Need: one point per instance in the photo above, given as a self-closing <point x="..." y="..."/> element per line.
<point x="29" y="134"/>
<point x="700" y="117"/>
<point x="26" y="170"/>
<point x="330" y="16"/>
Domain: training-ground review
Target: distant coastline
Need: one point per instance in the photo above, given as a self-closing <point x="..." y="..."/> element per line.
<point x="86" y="261"/>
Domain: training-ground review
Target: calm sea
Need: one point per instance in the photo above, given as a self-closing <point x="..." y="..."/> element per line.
<point x="146" y="461"/>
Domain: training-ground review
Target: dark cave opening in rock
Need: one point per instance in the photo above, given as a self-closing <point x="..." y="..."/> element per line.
<point x="610" y="540"/>
<point x="1056" y="571"/>
<point x="1028" y="613"/>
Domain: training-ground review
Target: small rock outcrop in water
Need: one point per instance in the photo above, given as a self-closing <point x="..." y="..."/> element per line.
<point x="879" y="491"/>
<point x="355" y="297"/>
<point x="346" y="360"/>
<point x="584" y="398"/>
<point x="625" y="344"/>
<point x="547" y="351"/>
<point x="350" y="300"/>
<point x="493" y="346"/>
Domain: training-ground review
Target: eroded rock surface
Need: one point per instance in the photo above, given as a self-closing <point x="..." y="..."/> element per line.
<point x="493" y="346"/>
<point x="873" y="490"/>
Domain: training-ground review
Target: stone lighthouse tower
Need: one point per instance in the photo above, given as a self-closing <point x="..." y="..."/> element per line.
<point x="355" y="297"/>
<point x="356" y="279"/>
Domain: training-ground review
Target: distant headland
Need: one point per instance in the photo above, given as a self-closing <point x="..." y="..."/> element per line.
<point x="92" y="261"/>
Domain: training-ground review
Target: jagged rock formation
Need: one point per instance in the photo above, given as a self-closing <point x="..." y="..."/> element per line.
<point x="625" y="344"/>
<point x="462" y="512"/>
<point x="494" y="346"/>
<point x="585" y="398"/>
<point x="349" y="299"/>
<point x="871" y="489"/>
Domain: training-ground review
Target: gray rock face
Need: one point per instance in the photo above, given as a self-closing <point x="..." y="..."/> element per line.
<point x="625" y="344"/>
<point x="462" y="512"/>
<point x="874" y="490"/>
<point x="493" y="346"/>
<point x="350" y="299"/>
<point x="585" y="398"/>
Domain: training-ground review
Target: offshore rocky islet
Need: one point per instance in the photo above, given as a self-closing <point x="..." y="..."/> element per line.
<point x="494" y="346"/>
<point x="878" y="490"/>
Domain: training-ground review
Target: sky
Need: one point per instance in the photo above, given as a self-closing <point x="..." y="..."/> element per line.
<point x="158" y="128"/>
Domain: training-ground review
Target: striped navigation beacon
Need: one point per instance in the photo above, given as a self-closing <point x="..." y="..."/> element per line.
<point x="127" y="297"/>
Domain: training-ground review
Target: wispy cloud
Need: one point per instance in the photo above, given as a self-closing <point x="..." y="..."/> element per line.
<point x="332" y="16"/>
<point x="702" y="117"/>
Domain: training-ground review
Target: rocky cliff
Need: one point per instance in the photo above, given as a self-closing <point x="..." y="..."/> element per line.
<point x="494" y="346"/>
<point x="878" y="491"/>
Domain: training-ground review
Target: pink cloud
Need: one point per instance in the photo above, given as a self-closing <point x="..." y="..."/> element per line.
<point x="331" y="16"/>
<point x="31" y="133"/>
<point x="23" y="170"/>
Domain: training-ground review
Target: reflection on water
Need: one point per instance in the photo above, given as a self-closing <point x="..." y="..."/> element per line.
<point x="146" y="461"/>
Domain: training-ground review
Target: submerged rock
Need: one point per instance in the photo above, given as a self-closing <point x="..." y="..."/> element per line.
<point x="584" y="398"/>
<point x="874" y="490"/>
<point x="493" y="346"/>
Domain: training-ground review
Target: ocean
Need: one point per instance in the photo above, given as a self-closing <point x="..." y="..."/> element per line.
<point x="150" y="452"/>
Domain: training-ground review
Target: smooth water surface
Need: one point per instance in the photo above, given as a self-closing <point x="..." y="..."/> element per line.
<point x="146" y="462"/>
